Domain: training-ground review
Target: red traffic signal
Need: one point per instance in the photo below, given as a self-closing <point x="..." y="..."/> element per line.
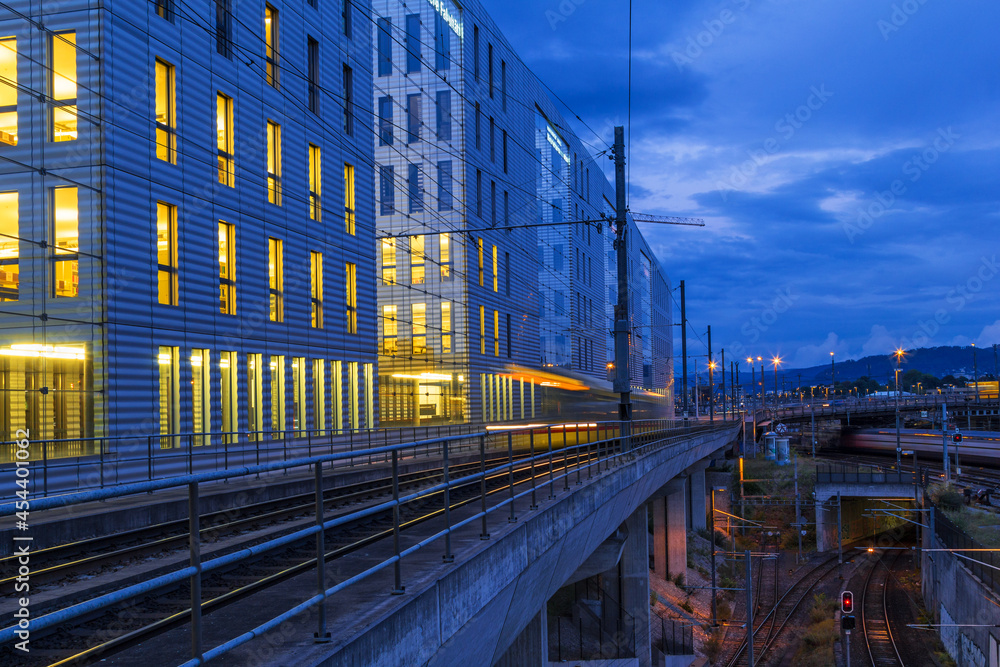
<point x="957" y="438"/>
<point x="847" y="602"/>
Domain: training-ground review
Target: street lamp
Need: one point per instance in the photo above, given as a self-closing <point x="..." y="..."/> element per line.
<point x="711" y="391"/>
<point x="776" y="361"/>
<point x="833" y="376"/>
<point x="753" y="396"/>
<point x="899" y="449"/>
<point x="763" y="394"/>
<point x="975" y="372"/>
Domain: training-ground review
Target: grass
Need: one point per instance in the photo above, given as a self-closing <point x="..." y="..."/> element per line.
<point x="980" y="525"/>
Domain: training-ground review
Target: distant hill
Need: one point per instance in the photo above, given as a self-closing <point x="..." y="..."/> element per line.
<point x="937" y="361"/>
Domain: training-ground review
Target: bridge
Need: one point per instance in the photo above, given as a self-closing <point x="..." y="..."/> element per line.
<point x="466" y="566"/>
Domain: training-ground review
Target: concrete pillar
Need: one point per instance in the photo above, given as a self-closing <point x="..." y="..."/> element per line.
<point x="635" y="583"/>
<point x="699" y="511"/>
<point x="659" y="504"/>
<point x="676" y="534"/>
<point x="531" y="647"/>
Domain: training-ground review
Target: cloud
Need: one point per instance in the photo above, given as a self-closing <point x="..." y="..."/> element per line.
<point x="990" y="335"/>
<point x="879" y="342"/>
<point x="816" y="355"/>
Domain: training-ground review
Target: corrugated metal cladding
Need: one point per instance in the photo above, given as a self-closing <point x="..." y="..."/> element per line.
<point x="448" y="89"/>
<point x="117" y="316"/>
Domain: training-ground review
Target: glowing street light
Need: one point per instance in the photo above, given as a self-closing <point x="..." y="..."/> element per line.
<point x="899" y="354"/>
<point x="776" y="361"/>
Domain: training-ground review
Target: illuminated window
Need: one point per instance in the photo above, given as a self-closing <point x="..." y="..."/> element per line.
<point x="319" y="396"/>
<point x="496" y="333"/>
<point x="369" y="371"/>
<point x="444" y="246"/>
<point x="390" y="330"/>
<point x="224" y="141"/>
<point x="227" y="268"/>
<point x="278" y="417"/>
<point x="418" y="312"/>
<point x="445" y="327"/>
<point x="351" y="293"/>
<point x="479" y="248"/>
<point x="274" y="163"/>
<point x="276" y="278"/>
<point x="349" y="198"/>
<point x="337" y="393"/>
<point x="9" y="246"/>
<point x="352" y="394"/>
<point x="64" y="112"/>
<point x="66" y="243"/>
<point x="8" y="91"/>
<point x="255" y="395"/>
<point x="298" y="395"/>
<point x="201" y="395"/>
<point x="482" y="330"/>
<point x="417" y="260"/>
<point x="388" y="261"/>
<point x="315" y="182"/>
<point x="271" y="44"/>
<point x="166" y="253"/>
<point x="316" y="288"/>
<point x="166" y="121"/>
<point x="496" y="271"/>
<point x="229" y="394"/>
<point x="170" y="390"/>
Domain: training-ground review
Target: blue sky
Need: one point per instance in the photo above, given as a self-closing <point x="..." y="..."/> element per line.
<point x="844" y="153"/>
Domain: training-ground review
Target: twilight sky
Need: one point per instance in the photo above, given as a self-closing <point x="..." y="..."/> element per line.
<point x="845" y="155"/>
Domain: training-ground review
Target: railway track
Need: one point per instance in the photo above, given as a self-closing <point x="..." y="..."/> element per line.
<point x="167" y="608"/>
<point x="875" y="626"/>
<point x="780" y="613"/>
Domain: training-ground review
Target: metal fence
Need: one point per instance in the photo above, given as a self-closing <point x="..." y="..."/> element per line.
<point x="983" y="564"/>
<point x="592" y="450"/>
<point x="854" y="474"/>
<point x="67" y="466"/>
<point x="598" y="627"/>
<point x="676" y="638"/>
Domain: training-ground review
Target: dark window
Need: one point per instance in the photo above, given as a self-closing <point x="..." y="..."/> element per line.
<point x="444" y="115"/>
<point x="384" y="47"/>
<point x="385" y="121"/>
<point x="506" y="279"/>
<point x="493" y="203"/>
<point x="164" y="9"/>
<point x="505" y="151"/>
<point x="312" y="50"/>
<point x="444" y="185"/>
<point x="348" y="100"/>
<point x="387" y="190"/>
<point x="509" y="347"/>
<point x="415" y="189"/>
<point x="503" y="83"/>
<point x="557" y="258"/>
<point x="475" y="52"/>
<point x="479" y="193"/>
<point x="479" y="123"/>
<point x="345" y="17"/>
<point x="493" y="144"/>
<point x="506" y="209"/>
<point x="223" y="28"/>
<point x="413" y="52"/>
<point x="489" y="68"/>
<point x="442" y="43"/>
<point x="412" y="118"/>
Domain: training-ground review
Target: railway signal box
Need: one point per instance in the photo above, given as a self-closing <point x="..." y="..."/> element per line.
<point x="957" y="438"/>
<point x="847" y="622"/>
<point x="847" y="602"/>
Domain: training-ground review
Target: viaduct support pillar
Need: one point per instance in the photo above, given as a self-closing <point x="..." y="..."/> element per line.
<point x="635" y="583"/>
<point x="699" y="509"/>
<point x="531" y="647"/>
<point x="670" y="529"/>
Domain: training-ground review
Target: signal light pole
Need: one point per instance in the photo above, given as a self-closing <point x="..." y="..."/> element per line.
<point x="623" y="380"/>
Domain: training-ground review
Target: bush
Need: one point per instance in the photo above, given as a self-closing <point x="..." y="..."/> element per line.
<point x="679" y="580"/>
<point x="949" y="499"/>
<point x="686" y="606"/>
<point x="724" y="611"/>
<point x="821" y="634"/>
<point x="823" y="608"/>
<point x="712" y="646"/>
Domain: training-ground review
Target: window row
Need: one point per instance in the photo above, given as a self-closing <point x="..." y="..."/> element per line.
<point x="393" y="343"/>
<point x="59" y="93"/>
<point x="61" y="241"/>
<point x="414" y="112"/>
<point x="314" y="406"/>
<point x="167" y="273"/>
<point x="419" y="256"/>
<point x="483" y="333"/>
<point x="415" y="188"/>
<point x="446" y="29"/>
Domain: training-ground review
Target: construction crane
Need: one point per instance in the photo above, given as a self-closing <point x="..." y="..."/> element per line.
<point x="668" y="220"/>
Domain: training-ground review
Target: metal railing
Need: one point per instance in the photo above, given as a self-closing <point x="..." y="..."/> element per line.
<point x="860" y="474"/>
<point x="676" y="638"/>
<point x="983" y="564"/>
<point x="598" y="627"/>
<point x="578" y="449"/>
<point x="70" y="465"/>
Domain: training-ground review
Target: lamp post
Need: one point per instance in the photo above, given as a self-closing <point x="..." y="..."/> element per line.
<point x="899" y="449"/>
<point x="833" y="375"/>
<point x="753" y="396"/>
<point x="975" y="372"/>
<point x="715" y="608"/>
<point x="776" y="361"/>
<point x="711" y="391"/>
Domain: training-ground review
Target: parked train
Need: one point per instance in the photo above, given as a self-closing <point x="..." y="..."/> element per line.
<point x="978" y="447"/>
